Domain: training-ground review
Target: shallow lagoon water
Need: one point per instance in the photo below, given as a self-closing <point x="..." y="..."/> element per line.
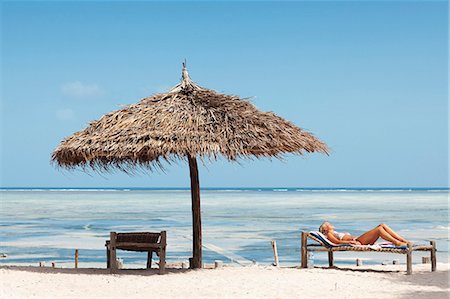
<point x="238" y="224"/>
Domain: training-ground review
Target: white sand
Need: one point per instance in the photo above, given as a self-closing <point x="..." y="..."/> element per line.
<point x="228" y="282"/>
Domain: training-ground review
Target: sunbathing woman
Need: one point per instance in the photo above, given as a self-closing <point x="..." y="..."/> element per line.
<point x="368" y="238"/>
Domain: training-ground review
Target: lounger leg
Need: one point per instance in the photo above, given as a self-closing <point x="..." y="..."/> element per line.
<point x="433" y="256"/>
<point x="409" y="260"/>
<point x="149" y="259"/>
<point x="330" y="258"/>
<point x="303" y="249"/>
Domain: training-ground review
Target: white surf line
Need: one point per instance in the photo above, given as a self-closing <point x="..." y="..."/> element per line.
<point x="232" y="256"/>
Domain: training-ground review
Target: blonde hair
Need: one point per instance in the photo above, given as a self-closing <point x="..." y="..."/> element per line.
<point x="322" y="227"/>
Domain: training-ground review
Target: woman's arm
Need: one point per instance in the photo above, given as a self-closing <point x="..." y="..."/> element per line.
<point x="335" y="240"/>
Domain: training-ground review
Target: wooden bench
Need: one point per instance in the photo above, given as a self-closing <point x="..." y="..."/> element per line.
<point x="319" y="246"/>
<point x="140" y="241"/>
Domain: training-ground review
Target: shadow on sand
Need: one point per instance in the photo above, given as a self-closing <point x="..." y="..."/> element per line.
<point x="359" y="269"/>
<point x="439" y="280"/>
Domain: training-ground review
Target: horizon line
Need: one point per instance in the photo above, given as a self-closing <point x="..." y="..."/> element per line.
<point x="233" y="188"/>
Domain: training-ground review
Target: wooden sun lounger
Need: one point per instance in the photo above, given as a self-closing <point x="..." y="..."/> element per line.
<point x="142" y="241"/>
<point x="319" y="246"/>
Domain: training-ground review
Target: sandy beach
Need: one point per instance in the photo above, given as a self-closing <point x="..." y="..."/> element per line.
<point x="228" y="282"/>
<point x="271" y="147"/>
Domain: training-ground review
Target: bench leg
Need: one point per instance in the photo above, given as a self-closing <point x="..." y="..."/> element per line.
<point x="162" y="261"/>
<point x="108" y="259"/>
<point x="112" y="259"/>
<point x="433" y="255"/>
<point x="303" y="250"/>
<point x="409" y="260"/>
<point x="149" y="259"/>
<point x="330" y="258"/>
<point x="112" y="251"/>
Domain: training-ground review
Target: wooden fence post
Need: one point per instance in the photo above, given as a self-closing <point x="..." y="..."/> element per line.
<point x="76" y="258"/>
<point x="275" y="252"/>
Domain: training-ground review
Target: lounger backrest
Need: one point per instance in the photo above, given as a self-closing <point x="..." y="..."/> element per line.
<point x="322" y="238"/>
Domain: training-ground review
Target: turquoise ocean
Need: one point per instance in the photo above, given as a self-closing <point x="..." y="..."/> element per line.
<point x="47" y="225"/>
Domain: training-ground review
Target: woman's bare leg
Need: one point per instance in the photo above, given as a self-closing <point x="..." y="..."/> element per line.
<point x="388" y="237"/>
<point x="378" y="232"/>
<point x="369" y="237"/>
<point x="393" y="233"/>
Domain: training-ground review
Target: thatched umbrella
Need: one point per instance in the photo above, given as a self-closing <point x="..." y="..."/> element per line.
<point x="186" y="122"/>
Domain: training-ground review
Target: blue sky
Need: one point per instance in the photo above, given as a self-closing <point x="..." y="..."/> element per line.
<point x="368" y="78"/>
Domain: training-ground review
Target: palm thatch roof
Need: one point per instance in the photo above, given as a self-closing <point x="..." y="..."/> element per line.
<point x="187" y="120"/>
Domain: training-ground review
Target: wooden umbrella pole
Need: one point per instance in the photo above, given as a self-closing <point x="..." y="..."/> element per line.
<point x="196" y="216"/>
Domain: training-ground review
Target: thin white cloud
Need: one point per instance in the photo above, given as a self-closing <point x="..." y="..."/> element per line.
<point x="79" y="89"/>
<point x="65" y="114"/>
